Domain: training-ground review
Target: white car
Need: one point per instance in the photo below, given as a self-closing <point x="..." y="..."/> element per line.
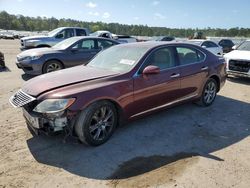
<point x="209" y="45"/>
<point x="238" y="60"/>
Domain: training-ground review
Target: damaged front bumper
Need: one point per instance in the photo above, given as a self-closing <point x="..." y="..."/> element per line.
<point x="47" y="123"/>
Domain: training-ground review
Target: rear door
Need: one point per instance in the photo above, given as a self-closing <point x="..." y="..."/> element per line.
<point x="157" y="89"/>
<point x="193" y="70"/>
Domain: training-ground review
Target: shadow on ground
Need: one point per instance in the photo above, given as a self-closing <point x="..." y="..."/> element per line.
<point x="27" y="77"/>
<point x="4" y="69"/>
<point x="239" y="80"/>
<point x="155" y="141"/>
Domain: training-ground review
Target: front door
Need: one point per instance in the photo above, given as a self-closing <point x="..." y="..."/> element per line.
<point x="151" y="91"/>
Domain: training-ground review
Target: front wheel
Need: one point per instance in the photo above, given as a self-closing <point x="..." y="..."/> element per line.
<point x="209" y="93"/>
<point x="96" y="123"/>
<point x="52" y="66"/>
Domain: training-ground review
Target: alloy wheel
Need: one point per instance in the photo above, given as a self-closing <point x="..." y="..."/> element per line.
<point x="102" y="123"/>
<point x="210" y="92"/>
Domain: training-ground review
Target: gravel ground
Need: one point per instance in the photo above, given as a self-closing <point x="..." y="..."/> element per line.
<point x="186" y="146"/>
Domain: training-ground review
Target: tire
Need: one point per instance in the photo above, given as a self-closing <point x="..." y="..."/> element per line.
<point x="96" y="123"/>
<point x="209" y="93"/>
<point x="51" y="66"/>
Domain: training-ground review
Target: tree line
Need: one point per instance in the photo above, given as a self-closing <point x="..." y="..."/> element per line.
<point x="26" y="23"/>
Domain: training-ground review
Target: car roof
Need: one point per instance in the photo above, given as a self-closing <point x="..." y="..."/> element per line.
<point x="93" y="37"/>
<point x="153" y="44"/>
<point x="71" y="28"/>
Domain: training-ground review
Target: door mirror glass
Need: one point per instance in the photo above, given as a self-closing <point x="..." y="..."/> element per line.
<point x="151" y="69"/>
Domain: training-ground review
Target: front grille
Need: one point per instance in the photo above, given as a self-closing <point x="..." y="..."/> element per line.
<point x="20" y="98"/>
<point x="239" y="65"/>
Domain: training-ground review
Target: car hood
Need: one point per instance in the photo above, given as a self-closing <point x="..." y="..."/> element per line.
<point x="238" y="55"/>
<point x="37" y="51"/>
<point x="38" y="37"/>
<point x="54" y="80"/>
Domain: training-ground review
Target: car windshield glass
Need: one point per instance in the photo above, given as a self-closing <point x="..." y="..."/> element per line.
<point x="65" y="43"/>
<point x="118" y="58"/>
<point x="53" y="32"/>
<point x="245" y="46"/>
<point x="95" y="34"/>
<point x="195" y="42"/>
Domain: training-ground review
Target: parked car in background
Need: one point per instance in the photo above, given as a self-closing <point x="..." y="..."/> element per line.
<point x="120" y="38"/>
<point x="7" y="35"/>
<point x="104" y="34"/>
<point x="227" y="45"/>
<point x="52" y="38"/>
<point x="120" y="83"/>
<point x="209" y="45"/>
<point x="68" y="53"/>
<point x="2" y="62"/>
<point x="238" y="60"/>
<point x="166" y="38"/>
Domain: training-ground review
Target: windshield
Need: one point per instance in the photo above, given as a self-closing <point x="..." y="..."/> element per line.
<point x="53" y="32"/>
<point x="118" y="58"/>
<point x="65" y="43"/>
<point x="95" y="34"/>
<point x="197" y="42"/>
<point x="245" y="46"/>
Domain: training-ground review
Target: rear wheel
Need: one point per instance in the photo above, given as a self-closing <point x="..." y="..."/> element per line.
<point x="209" y="93"/>
<point x="51" y="66"/>
<point x="96" y="123"/>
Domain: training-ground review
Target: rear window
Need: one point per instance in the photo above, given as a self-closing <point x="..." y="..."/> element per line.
<point x="80" y="32"/>
<point x="189" y="56"/>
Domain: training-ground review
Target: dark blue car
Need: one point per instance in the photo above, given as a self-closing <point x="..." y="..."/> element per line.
<point x="68" y="53"/>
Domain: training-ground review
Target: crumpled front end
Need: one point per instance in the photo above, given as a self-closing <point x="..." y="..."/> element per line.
<point x="45" y="122"/>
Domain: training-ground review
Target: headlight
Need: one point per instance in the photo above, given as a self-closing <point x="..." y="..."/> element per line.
<point x="53" y="105"/>
<point x="29" y="58"/>
<point x="31" y="43"/>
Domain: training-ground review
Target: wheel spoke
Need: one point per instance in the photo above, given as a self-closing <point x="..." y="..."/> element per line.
<point x="103" y="112"/>
<point x="97" y="134"/>
<point x="105" y="133"/>
<point x="95" y="117"/>
<point x="108" y="116"/>
<point x="93" y="128"/>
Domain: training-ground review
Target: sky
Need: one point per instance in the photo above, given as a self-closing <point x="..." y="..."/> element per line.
<point x="160" y="13"/>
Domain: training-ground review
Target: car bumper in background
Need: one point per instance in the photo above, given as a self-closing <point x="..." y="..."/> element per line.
<point x="240" y="74"/>
<point x="30" y="68"/>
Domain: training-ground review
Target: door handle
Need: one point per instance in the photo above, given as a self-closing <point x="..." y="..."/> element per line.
<point x="175" y="75"/>
<point x="204" y="68"/>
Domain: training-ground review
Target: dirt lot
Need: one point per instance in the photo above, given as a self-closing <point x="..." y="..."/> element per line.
<point x="186" y="146"/>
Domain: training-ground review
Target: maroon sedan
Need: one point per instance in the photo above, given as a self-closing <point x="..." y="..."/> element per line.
<point x="122" y="82"/>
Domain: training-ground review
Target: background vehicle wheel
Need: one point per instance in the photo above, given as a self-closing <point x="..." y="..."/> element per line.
<point x="96" y="123"/>
<point x="51" y="66"/>
<point x="209" y="93"/>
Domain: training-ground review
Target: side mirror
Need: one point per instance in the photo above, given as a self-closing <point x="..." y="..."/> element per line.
<point x="203" y="46"/>
<point x="234" y="47"/>
<point x="151" y="69"/>
<point x="74" y="50"/>
<point x="59" y="36"/>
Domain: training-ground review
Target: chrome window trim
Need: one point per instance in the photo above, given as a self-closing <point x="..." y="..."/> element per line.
<point x="175" y="46"/>
<point x="153" y="50"/>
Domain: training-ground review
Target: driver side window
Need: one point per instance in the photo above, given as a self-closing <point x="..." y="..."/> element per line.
<point x="85" y="45"/>
<point x="162" y="58"/>
<point x="66" y="33"/>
